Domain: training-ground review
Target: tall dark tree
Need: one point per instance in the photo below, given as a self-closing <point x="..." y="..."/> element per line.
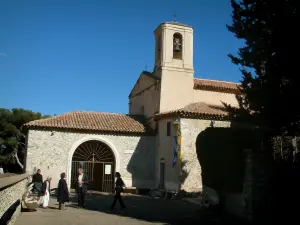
<point x="12" y="138"/>
<point x="268" y="62"/>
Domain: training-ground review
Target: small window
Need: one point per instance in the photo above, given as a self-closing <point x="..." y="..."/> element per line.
<point x="168" y="128"/>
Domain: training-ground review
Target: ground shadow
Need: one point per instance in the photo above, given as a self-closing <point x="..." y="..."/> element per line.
<point x="140" y="208"/>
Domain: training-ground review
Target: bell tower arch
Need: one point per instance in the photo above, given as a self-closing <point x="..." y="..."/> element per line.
<point x="174" y="64"/>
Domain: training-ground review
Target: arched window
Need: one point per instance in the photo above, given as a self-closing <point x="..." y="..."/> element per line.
<point x="177" y="46"/>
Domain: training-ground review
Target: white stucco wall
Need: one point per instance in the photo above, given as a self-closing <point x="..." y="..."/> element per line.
<point x="135" y="155"/>
<point x="149" y="99"/>
<point x="165" y="151"/>
<point x="214" y="98"/>
<point x="190" y="129"/>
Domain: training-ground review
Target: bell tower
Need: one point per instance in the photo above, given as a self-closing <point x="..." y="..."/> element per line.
<point x="174" y="64"/>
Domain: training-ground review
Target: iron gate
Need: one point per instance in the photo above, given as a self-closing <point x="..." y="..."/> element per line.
<point x="97" y="161"/>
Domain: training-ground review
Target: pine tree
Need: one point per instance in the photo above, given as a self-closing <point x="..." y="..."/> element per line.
<point x="12" y="137"/>
<point x="270" y="84"/>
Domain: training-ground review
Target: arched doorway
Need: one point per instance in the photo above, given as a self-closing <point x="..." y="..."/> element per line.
<point x="98" y="162"/>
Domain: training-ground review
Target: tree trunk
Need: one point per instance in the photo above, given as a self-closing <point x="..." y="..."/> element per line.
<point x="18" y="161"/>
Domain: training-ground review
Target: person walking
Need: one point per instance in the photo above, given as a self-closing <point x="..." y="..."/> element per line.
<point x="62" y="192"/>
<point x="46" y="192"/>
<point x="118" y="189"/>
<point x="81" y="187"/>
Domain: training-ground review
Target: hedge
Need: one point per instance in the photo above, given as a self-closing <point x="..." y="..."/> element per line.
<point x="221" y="155"/>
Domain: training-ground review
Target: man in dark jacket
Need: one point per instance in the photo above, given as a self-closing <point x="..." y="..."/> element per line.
<point x="62" y="192"/>
<point x="37" y="179"/>
<point x="81" y="187"/>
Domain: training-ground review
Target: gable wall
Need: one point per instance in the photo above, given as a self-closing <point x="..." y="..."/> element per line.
<point x="142" y="83"/>
<point x="149" y="99"/>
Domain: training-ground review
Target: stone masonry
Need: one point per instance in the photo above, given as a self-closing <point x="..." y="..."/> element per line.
<point x="50" y="151"/>
<point x="190" y="129"/>
<point x="9" y="195"/>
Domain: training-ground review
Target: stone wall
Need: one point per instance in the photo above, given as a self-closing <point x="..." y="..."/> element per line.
<point x="190" y="129"/>
<point x="52" y="153"/>
<point x="12" y="189"/>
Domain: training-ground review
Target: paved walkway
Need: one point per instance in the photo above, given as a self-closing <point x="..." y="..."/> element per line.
<point x="140" y="210"/>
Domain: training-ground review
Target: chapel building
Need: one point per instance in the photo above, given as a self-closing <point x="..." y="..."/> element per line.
<point x="154" y="144"/>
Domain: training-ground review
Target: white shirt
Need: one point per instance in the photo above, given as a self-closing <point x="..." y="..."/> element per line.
<point x="47" y="185"/>
<point x="80" y="179"/>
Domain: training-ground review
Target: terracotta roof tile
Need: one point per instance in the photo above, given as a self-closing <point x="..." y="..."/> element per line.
<point x="94" y="121"/>
<point x="205" y="84"/>
<point x="216" y="85"/>
<point x="199" y="110"/>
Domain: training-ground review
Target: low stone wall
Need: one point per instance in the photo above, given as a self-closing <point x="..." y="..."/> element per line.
<point x="12" y="189"/>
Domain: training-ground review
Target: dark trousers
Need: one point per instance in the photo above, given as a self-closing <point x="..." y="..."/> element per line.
<point x="118" y="197"/>
<point x="81" y="197"/>
<point x="37" y="188"/>
<point x="62" y="206"/>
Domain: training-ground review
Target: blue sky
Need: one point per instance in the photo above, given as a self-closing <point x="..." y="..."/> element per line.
<point x="58" y="56"/>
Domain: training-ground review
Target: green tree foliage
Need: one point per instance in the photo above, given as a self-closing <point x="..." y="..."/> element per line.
<point x="12" y="139"/>
<point x="268" y="62"/>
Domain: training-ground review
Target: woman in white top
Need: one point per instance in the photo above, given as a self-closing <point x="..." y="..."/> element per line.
<point x="46" y="192"/>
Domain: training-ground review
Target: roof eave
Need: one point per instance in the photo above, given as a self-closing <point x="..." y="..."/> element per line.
<point x="217" y="89"/>
<point x="146" y="132"/>
<point x="192" y="115"/>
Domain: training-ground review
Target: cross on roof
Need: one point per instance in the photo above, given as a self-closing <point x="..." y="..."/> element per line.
<point x="174" y="17"/>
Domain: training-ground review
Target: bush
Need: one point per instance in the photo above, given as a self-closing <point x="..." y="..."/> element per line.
<point x="221" y="155"/>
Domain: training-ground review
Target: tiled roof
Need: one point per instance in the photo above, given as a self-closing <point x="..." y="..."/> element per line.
<point x="150" y="74"/>
<point x="94" y="121"/>
<point x="197" y="110"/>
<point x="216" y="85"/>
<point x="207" y="85"/>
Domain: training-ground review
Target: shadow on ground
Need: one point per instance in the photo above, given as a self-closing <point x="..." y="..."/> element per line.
<point x="142" y="208"/>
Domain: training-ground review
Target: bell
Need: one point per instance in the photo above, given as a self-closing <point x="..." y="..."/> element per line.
<point x="177" y="44"/>
<point x="177" y="47"/>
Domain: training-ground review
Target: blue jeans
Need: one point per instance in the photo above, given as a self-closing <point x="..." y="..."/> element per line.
<point x="37" y="187"/>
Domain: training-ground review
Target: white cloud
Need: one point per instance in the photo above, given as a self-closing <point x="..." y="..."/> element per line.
<point x="3" y="54"/>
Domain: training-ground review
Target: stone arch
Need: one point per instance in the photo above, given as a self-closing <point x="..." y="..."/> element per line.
<point x="91" y="138"/>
